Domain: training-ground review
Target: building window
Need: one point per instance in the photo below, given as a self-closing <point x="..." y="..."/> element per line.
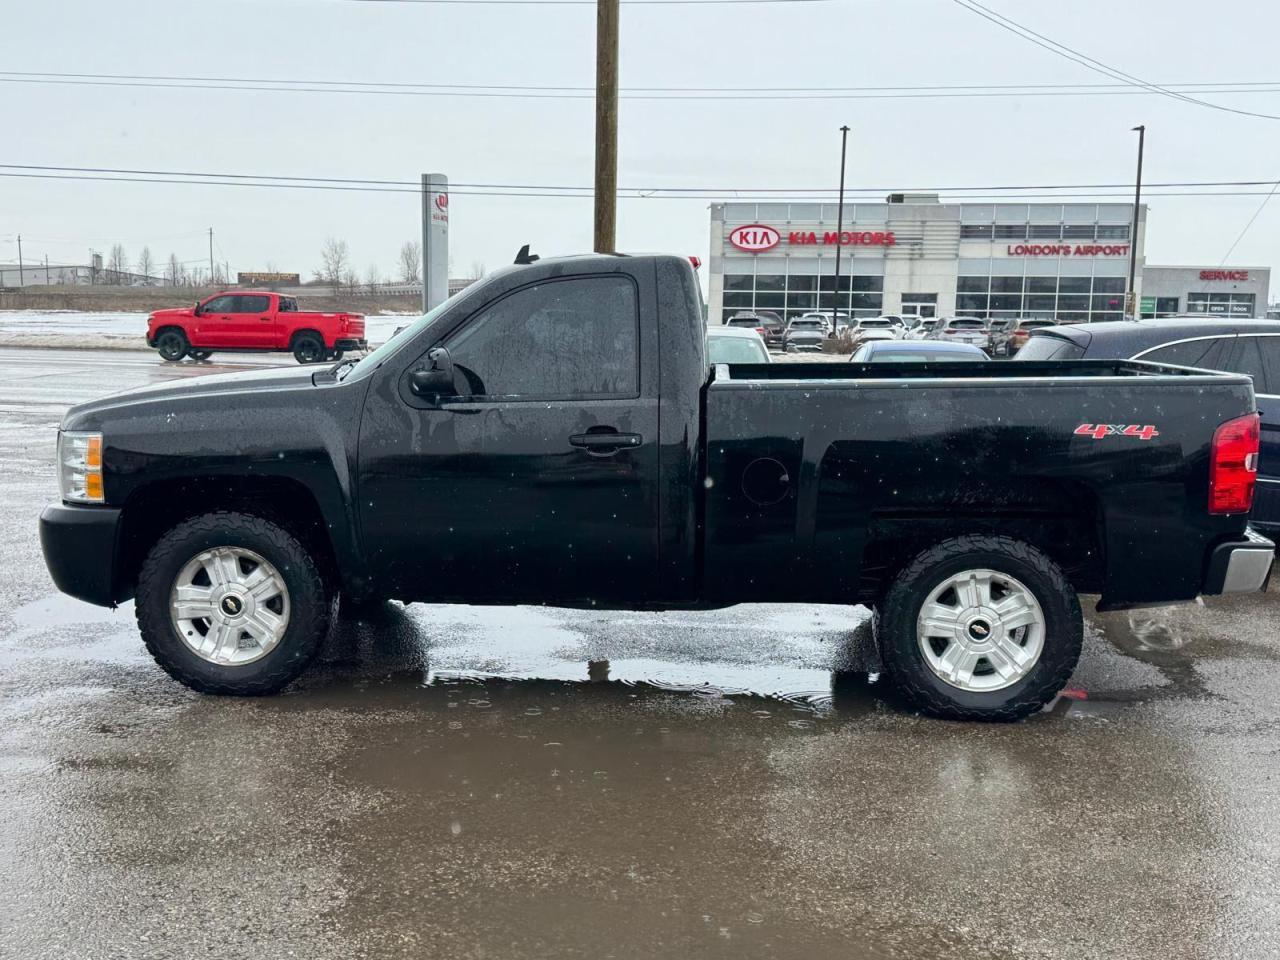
<point x="738" y="300"/>
<point x="1007" y="301"/>
<point x="972" y="284"/>
<point x="1044" y="231"/>
<point x="1109" y="284"/>
<point x="970" y="304"/>
<point x="1221" y="304"/>
<point x="1040" y="305"/>
<point x="1042" y="284"/>
<point x="1078" y="231"/>
<point x="975" y="231"/>
<point x="771" y="281"/>
<point x="1113" y="231"/>
<point x="1074" y="284"/>
<point x="1011" y="231"/>
<point x="1006" y="284"/>
<point x="739" y="281"/>
<point x="1073" y="304"/>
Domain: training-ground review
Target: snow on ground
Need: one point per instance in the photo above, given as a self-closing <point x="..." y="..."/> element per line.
<point x="75" y="328"/>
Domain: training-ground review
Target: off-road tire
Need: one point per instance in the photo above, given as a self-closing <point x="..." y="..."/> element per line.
<point x="309" y="601"/>
<point x="172" y="344"/>
<point x="894" y="628"/>
<point x="308" y="348"/>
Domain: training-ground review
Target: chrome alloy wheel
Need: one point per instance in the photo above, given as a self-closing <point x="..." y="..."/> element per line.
<point x="229" y="606"/>
<point x="981" y="630"/>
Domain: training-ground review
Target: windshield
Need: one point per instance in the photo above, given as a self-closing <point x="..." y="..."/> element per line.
<point x="736" y="350"/>
<point x="966" y="324"/>
<point x="916" y="356"/>
<point x="807" y="324"/>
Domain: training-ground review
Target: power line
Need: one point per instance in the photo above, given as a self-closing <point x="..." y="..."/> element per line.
<point x="862" y="195"/>
<point x="1262" y="206"/>
<point x="719" y="191"/>
<point x="666" y="94"/>
<point x="1090" y="63"/>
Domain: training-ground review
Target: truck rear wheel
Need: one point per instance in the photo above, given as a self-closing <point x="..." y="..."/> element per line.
<point x="231" y="603"/>
<point x="308" y="348"/>
<point x="172" y="344"/>
<point x="980" y="628"/>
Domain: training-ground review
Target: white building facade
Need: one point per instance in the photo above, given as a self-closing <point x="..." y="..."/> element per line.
<point x="914" y="254"/>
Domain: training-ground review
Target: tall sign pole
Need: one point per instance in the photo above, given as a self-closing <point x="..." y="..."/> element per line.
<point x="606" y="238"/>
<point x="435" y="240"/>
<point x="835" y="293"/>
<point x="1133" y="308"/>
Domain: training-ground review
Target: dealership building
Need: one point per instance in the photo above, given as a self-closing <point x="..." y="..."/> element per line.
<point x="914" y="254"/>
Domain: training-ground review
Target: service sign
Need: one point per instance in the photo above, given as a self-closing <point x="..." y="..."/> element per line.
<point x="1224" y="275"/>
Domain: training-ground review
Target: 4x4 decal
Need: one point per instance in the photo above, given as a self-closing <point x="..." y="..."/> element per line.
<point x="1099" y="430"/>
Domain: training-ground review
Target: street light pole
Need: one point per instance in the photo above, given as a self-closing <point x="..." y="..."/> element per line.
<point x="844" y="143"/>
<point x="1134" y="309"/>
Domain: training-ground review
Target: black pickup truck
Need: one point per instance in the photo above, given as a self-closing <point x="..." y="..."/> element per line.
<point x="555" y="435"/>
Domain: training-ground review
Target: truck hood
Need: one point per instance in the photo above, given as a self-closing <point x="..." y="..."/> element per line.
<point x="173" y="313"/>
<point x="178" y="392"/>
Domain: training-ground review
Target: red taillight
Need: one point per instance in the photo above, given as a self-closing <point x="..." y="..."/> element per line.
<point x="696" y="261"/>
<point x="1233" y="465"/>
<point x="1021" y="334"/>
<point x="760" y="330"/>
<point x="950" y="331"/>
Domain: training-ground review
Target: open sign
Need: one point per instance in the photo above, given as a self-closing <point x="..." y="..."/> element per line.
<point x="755" y="238"/>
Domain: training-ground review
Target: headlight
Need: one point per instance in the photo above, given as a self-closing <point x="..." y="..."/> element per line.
<point x="80" y="467"/>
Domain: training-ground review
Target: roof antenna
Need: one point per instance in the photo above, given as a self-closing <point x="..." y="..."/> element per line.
<point x="524" y="257"/>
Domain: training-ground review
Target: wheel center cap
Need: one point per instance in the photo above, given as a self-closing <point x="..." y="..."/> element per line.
<point x="232" y="605"/>
<point x="980" y="631"/>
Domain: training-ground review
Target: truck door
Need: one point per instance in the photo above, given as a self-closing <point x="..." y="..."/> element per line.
<point x="537" y="480"/>
<point x="213" y="327"/>
<point x="252" y="321"/>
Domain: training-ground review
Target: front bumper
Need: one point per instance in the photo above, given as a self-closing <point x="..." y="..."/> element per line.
<point x="1242" y="566"/>
<point x="79" y="545"/>
<point x="350" y="343"/>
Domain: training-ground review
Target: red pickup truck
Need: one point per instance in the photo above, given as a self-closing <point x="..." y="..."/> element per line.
<point x="236" y="320"/>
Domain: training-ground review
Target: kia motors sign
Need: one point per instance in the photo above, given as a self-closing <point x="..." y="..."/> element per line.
<point x="1224" y="274"/>
<point x="755" y="238"/>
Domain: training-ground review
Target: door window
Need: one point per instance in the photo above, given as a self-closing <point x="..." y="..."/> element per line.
<point x="1270" y="349"/>
<point x="219" y="305"/>
<point x="1209" y="353"/>
<point x="576" y="339"/>
<point x="1249" y="361"/>
<point x="252" y="303"/>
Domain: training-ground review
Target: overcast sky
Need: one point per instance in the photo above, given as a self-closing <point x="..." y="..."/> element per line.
<point x="714" y="144"/>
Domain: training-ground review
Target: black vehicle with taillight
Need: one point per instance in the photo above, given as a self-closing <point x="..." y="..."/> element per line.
<point x="555" y="435"/>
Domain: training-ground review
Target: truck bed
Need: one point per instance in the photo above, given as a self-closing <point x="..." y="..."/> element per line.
<point x="820" y="472"/>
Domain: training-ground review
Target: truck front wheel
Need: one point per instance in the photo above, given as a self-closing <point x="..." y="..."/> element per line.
<point x="231" y="603"/>
<point x="172" y="345"/>
<point x="980" y="628"/>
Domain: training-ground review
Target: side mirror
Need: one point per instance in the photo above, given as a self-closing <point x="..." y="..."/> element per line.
<point x="435" y="379"/>
<point x="196" y="311"/>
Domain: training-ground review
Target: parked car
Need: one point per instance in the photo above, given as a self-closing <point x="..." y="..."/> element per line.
<point x="1013" y="337"/>
<point x="735" y="345"/>
<point x="259" y="322"/>
<point x="1251" y="347"/>
<point x="922" y="329"/>
<point x="842" y="319"/>
<point x="876" y="328"/>
<point x="523" y="443"/>
<point x="961" y="330"/>
<point x="916" y="351"/>
<point x="805" y="334"/>
<point x="768" y="327"/>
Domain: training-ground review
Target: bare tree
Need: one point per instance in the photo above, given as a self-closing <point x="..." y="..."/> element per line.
<point x="478" y="269"/>
<point x="411" y="261"/>
<point x="117" y="264"/>
<point x="350" y="281"/>
<point x="145" y="263"/>
<point x="372" y="279"/>
<point x="173" y="272"/>
<point x="335" y="263"/>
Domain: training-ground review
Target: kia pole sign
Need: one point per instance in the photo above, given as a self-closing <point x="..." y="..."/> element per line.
<point x="755" y="238"/>
<point x="435" y="240"/>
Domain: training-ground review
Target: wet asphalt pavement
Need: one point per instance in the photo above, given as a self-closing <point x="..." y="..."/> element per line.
<point x="530" y="782"/>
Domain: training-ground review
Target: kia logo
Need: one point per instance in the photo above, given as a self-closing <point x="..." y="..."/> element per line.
<point x="442" y="201"/>
<point x="755" y="238"/>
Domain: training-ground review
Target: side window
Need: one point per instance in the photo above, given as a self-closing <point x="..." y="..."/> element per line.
<point x="1248" y="360"/>
<point x="288" y="305"/>
<point x="559" y="340"/>
<point x="1270" y="348"/>
<point x="252" y="303"/>
<point x="219" y="305"/>
<point x="1209" y="353"/>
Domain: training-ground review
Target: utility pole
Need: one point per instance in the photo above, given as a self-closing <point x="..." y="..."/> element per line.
<point x="21" y="280"/>
<point x="211" y="254"/>
<point x="844" y="143"/>
<point x="46" y="270"/>
<point x="606" y="220"/>
<point x="1134" y="309"/>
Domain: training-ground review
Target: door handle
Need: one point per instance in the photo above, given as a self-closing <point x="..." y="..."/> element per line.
<point x="265" y="319"/>
<point x="603" y="443"/>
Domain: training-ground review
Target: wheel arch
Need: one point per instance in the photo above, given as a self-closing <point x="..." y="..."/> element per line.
<point x="304" y="331"/>
<point x="155" y="508"/>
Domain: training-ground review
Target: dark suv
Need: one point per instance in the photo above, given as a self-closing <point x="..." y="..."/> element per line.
<point x="767" y="325"/>
<point x="1238" y="346"/>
